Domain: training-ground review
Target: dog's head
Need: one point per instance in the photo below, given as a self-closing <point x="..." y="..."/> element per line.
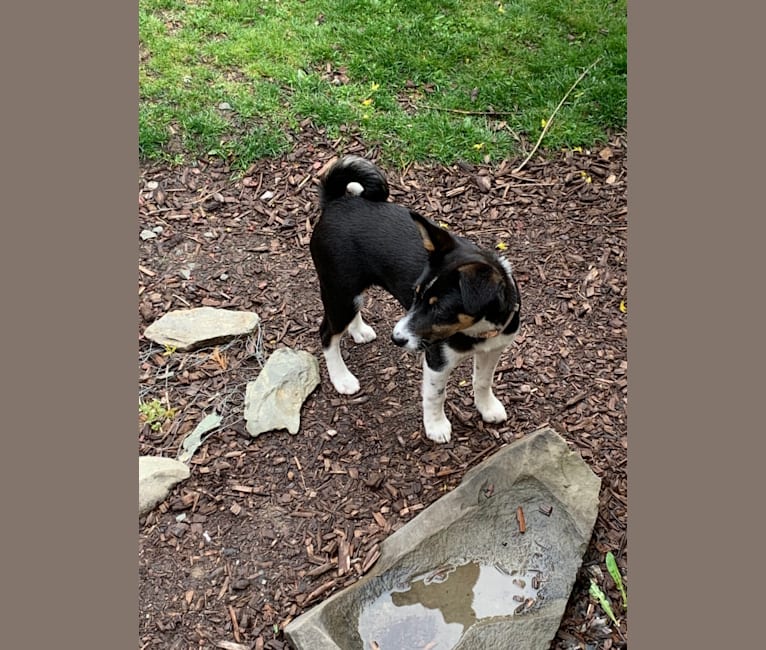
<point x="463" y="289"/>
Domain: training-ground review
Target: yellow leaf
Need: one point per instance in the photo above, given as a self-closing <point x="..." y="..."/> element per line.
<point x="367" y="102"/>
<point x="374" y="86"/>
<point x="443" y="224"/>
<point x="478" y="146"/>
<point x="577" y="149"/>
<point x="501" y="246"/>
<point x="623" y="307"/>
<point x="543" y="122"/>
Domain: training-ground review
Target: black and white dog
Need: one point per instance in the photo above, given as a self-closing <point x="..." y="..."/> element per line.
<point x="461" y="300"/>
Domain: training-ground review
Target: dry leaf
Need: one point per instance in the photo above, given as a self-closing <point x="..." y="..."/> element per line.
<point x="484" y="183"/>
<point x="219" y="358"/>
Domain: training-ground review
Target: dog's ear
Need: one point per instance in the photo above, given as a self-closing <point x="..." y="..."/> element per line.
<point x="435" y="239"/>
<point x="478" y="285"/>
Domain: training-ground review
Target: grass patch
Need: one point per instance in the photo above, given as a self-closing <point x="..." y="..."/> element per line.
<point x="440" y="80"/>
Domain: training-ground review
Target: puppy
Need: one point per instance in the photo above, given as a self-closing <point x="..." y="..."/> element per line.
<point x="461" y="300"/>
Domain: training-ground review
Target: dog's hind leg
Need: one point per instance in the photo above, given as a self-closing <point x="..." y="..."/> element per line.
<point x="360" y="331"/>
<point x="337" y="319"/>
<point x="484" y="364"/>
<point x="340" y="376"/>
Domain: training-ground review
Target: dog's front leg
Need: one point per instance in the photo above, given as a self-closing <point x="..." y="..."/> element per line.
<point x="484" y="364"/>
<point x="435" y="422"/>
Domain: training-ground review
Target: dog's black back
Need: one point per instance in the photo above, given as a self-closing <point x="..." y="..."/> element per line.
<point x="361" y="241"/>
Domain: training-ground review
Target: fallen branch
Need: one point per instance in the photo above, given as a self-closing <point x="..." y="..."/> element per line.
<point x="556" y="110"/>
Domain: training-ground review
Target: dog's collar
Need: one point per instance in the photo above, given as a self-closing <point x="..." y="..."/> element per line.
<point x="495" y="332"/>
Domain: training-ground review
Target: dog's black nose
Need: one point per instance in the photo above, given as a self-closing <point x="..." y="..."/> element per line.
<point x="398" y="340"/>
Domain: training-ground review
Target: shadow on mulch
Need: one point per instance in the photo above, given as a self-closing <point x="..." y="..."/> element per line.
<point x="252" y="539"/>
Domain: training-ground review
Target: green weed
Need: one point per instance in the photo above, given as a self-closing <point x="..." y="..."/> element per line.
<point x="601" y="598"/>
<point x="155" y="414"/>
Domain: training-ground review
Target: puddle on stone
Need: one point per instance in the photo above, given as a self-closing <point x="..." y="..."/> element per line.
<point x="433" y="610"/>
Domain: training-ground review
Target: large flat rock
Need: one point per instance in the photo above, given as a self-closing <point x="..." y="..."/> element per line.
<point x="462" y="574"/>
<point x="189" y="329"/>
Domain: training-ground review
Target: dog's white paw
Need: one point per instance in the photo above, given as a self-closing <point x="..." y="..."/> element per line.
<point x="363" y="333"/>
<point x="491" y="409"/>
<point x="345" y="384"/>
<point x="438" y="430"/>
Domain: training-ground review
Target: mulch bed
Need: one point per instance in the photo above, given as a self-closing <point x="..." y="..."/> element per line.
<point x="267" y="527"/>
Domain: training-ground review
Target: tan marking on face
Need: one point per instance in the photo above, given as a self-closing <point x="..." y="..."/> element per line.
<point x="432" y="300"/>
<point x="464" y="321"/>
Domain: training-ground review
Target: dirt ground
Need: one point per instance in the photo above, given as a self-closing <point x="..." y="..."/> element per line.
<point x="267" y="527"/>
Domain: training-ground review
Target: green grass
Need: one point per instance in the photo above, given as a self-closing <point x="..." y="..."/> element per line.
<point x="409" y="72"/>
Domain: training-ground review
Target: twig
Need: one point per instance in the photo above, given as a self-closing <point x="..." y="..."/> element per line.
<point x="464" y="112"/>
<point x="556" y="110"/>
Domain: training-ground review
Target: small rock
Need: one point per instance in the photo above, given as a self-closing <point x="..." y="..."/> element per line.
<point x="268" y="194"/>
<point x="273" y="401"/>
<point x="224" y="106"/>
<point x="148" y="234"/>
<point x="179" y="530"/>
<point x="156" y="475"/>
<point x="152" y="185"/>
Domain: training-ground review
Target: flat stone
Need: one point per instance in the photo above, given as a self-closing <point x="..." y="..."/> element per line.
<point x="273" y="401"/>
<point x="156" y="476"/>
<point x="188" y="329"/>
<point x="462" y="574"/>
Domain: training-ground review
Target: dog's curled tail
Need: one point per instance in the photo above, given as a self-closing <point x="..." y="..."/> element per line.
<point x="356" y="176"/>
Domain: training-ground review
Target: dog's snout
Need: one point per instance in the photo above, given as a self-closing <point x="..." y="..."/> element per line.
<point x="398" y="340"/>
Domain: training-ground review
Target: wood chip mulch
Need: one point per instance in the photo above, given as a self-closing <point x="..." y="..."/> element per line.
<point x="267" y="527"/>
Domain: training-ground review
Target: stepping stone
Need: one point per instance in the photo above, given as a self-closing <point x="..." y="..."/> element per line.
<point x="273" y="401"/>
<point x="189" y="329"/>
<point x="489" y="565"/>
